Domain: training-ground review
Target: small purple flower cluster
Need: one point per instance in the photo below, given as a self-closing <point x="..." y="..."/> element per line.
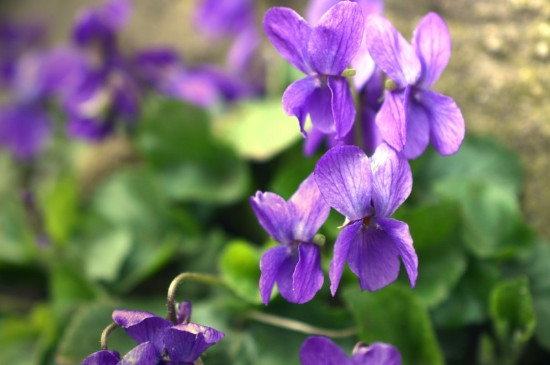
<point x="399" y="115"/>
<point x="159" y="340"/>
<point x="97" y="86"/>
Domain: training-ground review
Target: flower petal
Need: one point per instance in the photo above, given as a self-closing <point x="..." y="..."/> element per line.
<point x="343" y="106"/>
<point x="418" y="131"/>
<point x="187" y="341"/>
<point x="341" y="252"/>
<point x="336" y="38"/>
<point x="374" y="258"/>
<point x="319" y="106"/>
<point x="308" y="210"/>
<point x="274" y="216"/>
<point x="142" y="326"/>
<point x="432" y="42"/>
<point x="184" y="312"/>
<point x="143" y="354"/>
<point x="343" y="176"/>
<point x="289" y="33"/>
<point x="399" y="233"/>
<point x="313" y="140"/>
<point x="391" y="52"/>
<point x="377" y="353"/>
<point x="285" y="275"/>
<point x="391" y="180"/>
<point x="391" y="120"/>
<point x="103" y="357"/>
<point x="446" y="122"/>
<point x="364" y="66"/>
<point x="317" y="350"/>
<point x="308" y="276"/>
<point x="270" y="264"/>
<point x="296" y="96"/>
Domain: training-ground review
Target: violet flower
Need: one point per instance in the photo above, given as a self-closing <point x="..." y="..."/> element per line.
<point x="321" y="350"/>
<point x="295" y="265"/>
<point x="322" y="53"/>
<point x="222" y="18"/>
<point x="362" y="63"/>
<point x="159" y="339"/>
<point x="367" y="192"/>
<point x="412" y="115"/>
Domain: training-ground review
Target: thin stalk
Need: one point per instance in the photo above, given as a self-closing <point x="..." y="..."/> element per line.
<point x="105" y="334"/>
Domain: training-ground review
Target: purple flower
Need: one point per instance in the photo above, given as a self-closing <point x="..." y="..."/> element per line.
<point x="321" y="350"/>
<point x="322" y="53"/>
<point x="412" y="115"/>
<point x="159" y="339"/>
<point x="222" y="18"/>
<point x="367" y="192"/>
<point x="103" y="357"/>
<point x="362" y="62"/>
<point x="295" y="265"/>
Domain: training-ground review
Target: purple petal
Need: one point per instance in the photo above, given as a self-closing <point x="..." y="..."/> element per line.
<point x="143" y="354"/>
<point x="336" y="38"/>
<point x="313" y="140"/>
<point x="341" y="251"/>
<point x="274" y="215"/>
<point x="364" y="66"/>
<point x="343" y="176"/>
<point x="289" y="33"/>
<point x="391" y="180"/>
<point x="285" y="275"/>
<point x="391" y="52"/>
<point x="194" y="87"/>
<point x="418" y="131"/>
<point x="296" y="96"/>
<point x="391" y="120"/>
<point x="308" y="210"/>
<point x="269" y="266"/>
<point x="374" y="258"/>
<point x="317" y="8"/>
<point x="101" y="22"/>
<point x="308" y="276"/>
<point x="399" y="233"/>
<point x="317" y="350"/>
<point x="24" y="130"/>
<point x="187" y="341"/>
<point x="89" y="129"/>
<point x="220" y="18"/>
<point x="432" y="42"/>
<point x="377" y="353"/>
<point x="319" y="106"/>
<point x="103" y="357"/>
<point x="446" y="122"/>
<point x="142" y="326"/>
<point x="184" y="312"/>
<point x="242" y="51"/>
<point x="343" y="106"/>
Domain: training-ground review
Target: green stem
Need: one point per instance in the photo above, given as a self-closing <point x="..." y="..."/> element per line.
<point x="186" y="276"/>
<point x="106" y="332"/>
<point x="293" y="325"/>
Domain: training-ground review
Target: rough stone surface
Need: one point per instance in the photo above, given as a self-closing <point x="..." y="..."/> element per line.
<point x="498" y="72"/>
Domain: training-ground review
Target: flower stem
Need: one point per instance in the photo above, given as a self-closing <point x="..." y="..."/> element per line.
<point x="106" y="332"/>
<point x="301" y="327"/>
<point x="186" y="276"/>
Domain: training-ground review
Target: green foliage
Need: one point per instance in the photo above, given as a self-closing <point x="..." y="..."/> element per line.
<point x="191" y="164"/>
<point x="395" y="315"/>
<point x="258" y="130"/>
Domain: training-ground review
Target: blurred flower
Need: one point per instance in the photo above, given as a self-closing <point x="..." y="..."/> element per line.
<point x="322" y="52"/>
<point x="295" y="265"/>
<point x="411" y="114"/>
<point x="222" y="18"/>
<point x="362" y="62"/>
<point x="321" y="350"/>
<point x="370" y="241"/>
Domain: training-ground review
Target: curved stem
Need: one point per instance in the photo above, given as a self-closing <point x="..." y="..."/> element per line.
<point x="297" y="326"/>
<point x="186" y="276"/>
<point x="106" y="332"/>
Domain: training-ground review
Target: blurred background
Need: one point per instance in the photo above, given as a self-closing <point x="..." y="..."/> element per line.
<point x="130" y="180"/>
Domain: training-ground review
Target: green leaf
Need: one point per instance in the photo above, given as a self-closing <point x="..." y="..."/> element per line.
<point x="493" y="223"/>
<point x="538" y="269"/>
<point x="18" y="244"/>
<point x="69" y="288"/>
<point x="511" y="308"/>
<point x="240" y="270"/>
<point x="258" y="130"/>
<point x="192" y="165"/>
<point x="106" y="254"/>
<point x="59" y="204"/>
<point x="479" y="158"/>
<point x="396" y="316"/>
